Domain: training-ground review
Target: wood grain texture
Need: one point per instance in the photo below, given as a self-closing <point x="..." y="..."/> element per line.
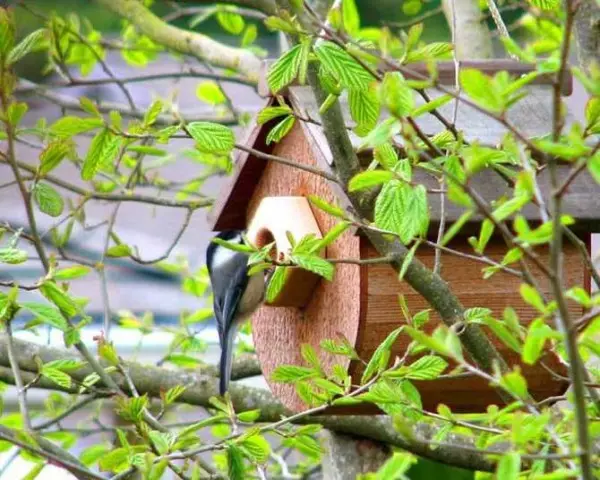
<point x="333" y="310"/>
<point x="465" y="278"/>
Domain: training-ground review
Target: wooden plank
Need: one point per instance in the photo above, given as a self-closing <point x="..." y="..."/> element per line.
<point x="464" y="277"/>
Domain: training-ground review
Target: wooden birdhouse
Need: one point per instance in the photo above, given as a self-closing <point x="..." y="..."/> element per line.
<point x="361" y="303"/>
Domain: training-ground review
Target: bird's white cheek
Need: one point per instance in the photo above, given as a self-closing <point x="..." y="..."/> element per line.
<point x="222" y="257"/>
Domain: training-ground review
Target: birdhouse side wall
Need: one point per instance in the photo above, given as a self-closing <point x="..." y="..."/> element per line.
<point x="334" y="307"/>
<point x="464" y="276"/>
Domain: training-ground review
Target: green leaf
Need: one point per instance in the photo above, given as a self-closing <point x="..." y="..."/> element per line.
<point x="257" y="448"/>
<point x="160" y="441"/>
<point x="29" y="43"/>
<point x="537" y="334"/>
<point x="46" y="314"/>
<point x="364" y="109"/>
<point x="114" y="460"/>
<point x="456" y="226"/>
<point x="52" y="155"/>
<point x="276" y="283"/>
<point x="431" y="105"/>
<point x="250" y="416"/>
<point x="369" y="179"/>
<point x="57" y="376"/>
<point x="48" y="200"/>
<point x="395" y="467"/>
<point x="269" y="113"/>
<point x="147" y="150"/>
<point x="386" y="156"/>
<point x="515" y="383"/>
<point x="102" y="152"/>
<point x="328" y="386"/>
<point x="174" y="393"/>
<point x="250" y="35"/>
<point x="65" y="365"/>
<point x="235" y="463"/>
<point x="396" y="95"/>
<point x="15" y="112"/>
<point x="380" y="358"/>
<point x="411" y="7"/>
<point x="428" y="367"/>
<point x="431" y="51"/>
<point x="509" y="466"/>
<point x="326" y="207"/>
<point x="92" y="454"/>
<point x="350" y="17"/>
<point x="594" y="167"/>
<point x="338" y="63"/>
<point x="481" y="89"/>
<point x="209" y="92"/>
<point x="13" y="256"/>
<point x="402" y="209"/>
<point x="285" y="69"/>
<point x="315" y="264"/>
<point x="153" y="112"/>
<point x="211" y="137"/>
<point x="545" y="5"/>
<point x="71" y="273"/>
<point x="292" y="374"/>
<point x="236" y="247"/>
<point x="408" y="258"/>
<point x="118" y="251"/>
<point x="281" y="129"/>
<point x="532" y="297"/>
<point x="231" y="22"/>
<point x="69" y="126"/>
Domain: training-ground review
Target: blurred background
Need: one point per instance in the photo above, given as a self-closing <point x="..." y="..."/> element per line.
<point x="142" y="291"/>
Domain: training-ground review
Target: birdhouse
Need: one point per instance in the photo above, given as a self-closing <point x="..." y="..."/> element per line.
<point x="361" y="303"/>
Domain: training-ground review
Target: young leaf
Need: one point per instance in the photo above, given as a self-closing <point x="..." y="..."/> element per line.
<point x="428" y="367"/>
<point x="209" y="92"/>
<point x="326" y="207"/>
<point x="52" y="155"/>
<point x="269" y="113"/>
<point x="13" y="256"/>
<point x="48" y="200"/>
<point x="26" y="45"/>
<point x="364" y="109"/>
<point x="211" y="137"/>
<point x="281" y="129"/>
<point x="315" y="264"/>
<point x="509" y="466"/>
<point x="368" y="179"/>
<point x="69" y="126"/>
<point x="292" y="373"/>
<point x="396" y="95"/>
<point x="231" y="22"/>
<point x="350" y="17"/>
<point x="380" y="357"/>
<point x="431" y="105"/>
<point x="285" y="69"/>
<point x="532" y="297"/>
<point x="480" y="88"/>
<point x="338" y="63"/>
<point x="46" y="314"/>
<point x="276" y="283"/>
<point x="57" y="376"/>
<point x="257" y="448"/>
<point x="103" y="151"/>
<point x="249" y="36"/>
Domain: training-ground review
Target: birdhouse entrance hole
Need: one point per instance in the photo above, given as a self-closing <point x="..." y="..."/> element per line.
<point x="275" y="217"/>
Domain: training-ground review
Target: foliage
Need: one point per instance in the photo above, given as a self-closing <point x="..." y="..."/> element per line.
<point x="376" y="71"/>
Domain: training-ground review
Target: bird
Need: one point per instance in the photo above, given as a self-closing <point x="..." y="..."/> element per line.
<point x="236" y="296"/>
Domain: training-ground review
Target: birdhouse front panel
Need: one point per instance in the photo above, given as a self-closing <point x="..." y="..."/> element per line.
<point x="333" y="308"/>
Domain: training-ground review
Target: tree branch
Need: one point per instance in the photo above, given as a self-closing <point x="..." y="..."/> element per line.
<point x="202" y="385"/>
<point x="199" y="46"/>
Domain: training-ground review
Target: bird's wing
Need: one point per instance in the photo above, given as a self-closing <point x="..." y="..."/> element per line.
<point x="233" y="279"/>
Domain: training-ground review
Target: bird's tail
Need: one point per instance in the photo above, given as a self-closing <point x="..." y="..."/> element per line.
<point x="226" y="359"/>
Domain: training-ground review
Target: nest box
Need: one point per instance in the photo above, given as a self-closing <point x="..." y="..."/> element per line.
<point x="361" y="303"/>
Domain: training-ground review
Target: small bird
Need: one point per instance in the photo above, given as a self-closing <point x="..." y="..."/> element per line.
<point x="235" y="295"/>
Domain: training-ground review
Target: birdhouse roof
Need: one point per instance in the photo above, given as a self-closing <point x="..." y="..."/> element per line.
<point x="532" y="115"/>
